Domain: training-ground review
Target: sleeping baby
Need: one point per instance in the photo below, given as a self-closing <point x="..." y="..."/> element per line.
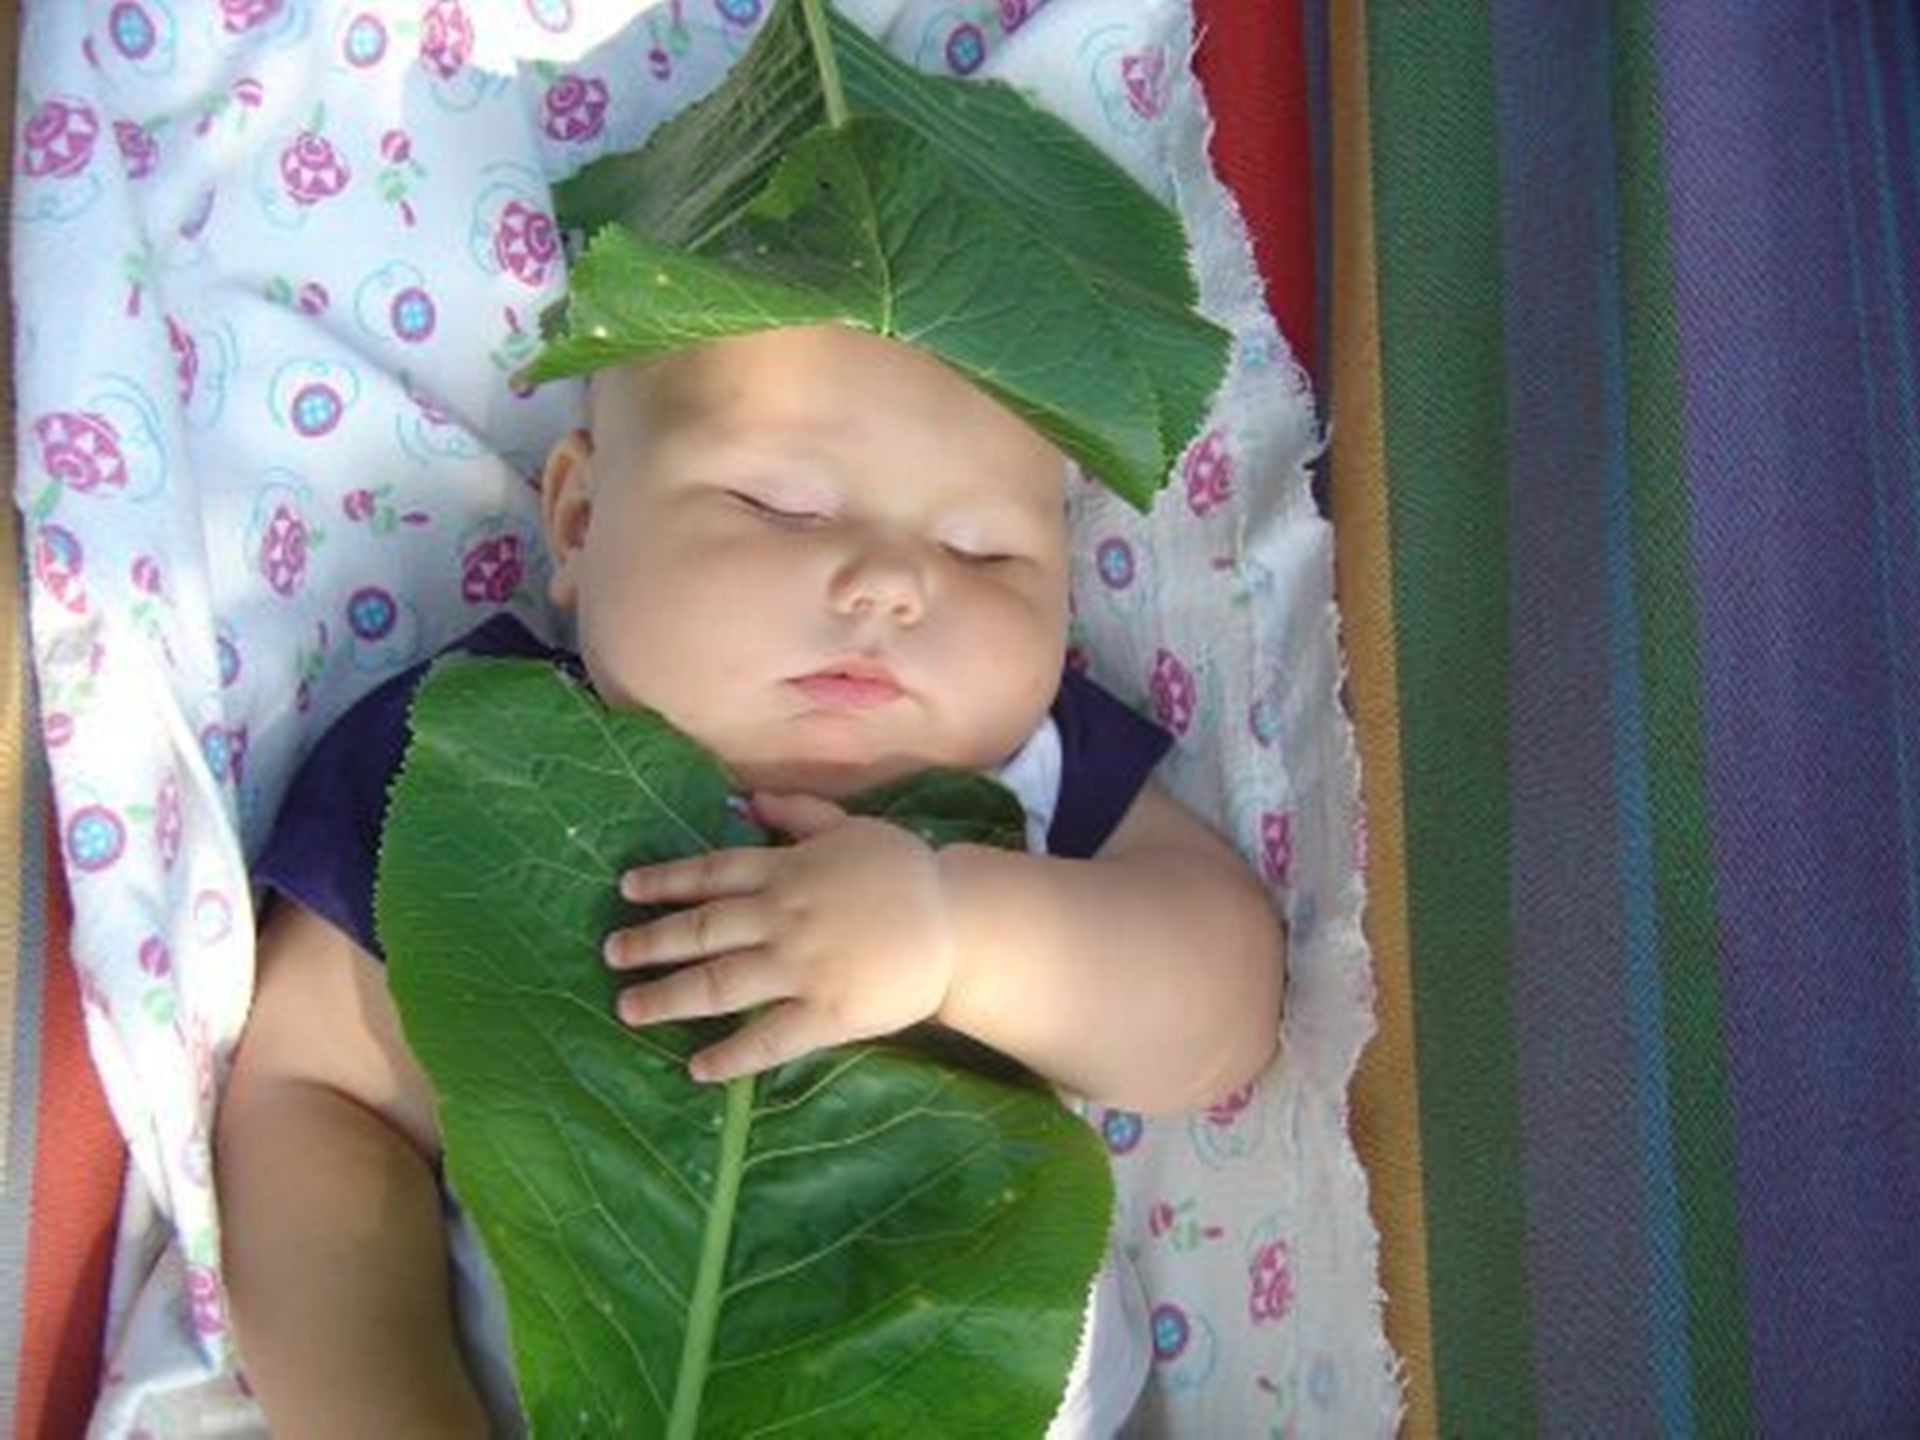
<point x="834" y="562"/>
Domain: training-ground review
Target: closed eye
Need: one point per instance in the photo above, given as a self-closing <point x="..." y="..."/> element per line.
<point x="979" y="557"/>
<point x="775" y="512"/>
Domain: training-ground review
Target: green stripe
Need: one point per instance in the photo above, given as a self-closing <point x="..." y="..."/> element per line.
<point x="1685" y="898"/>
<point x="1436" y="203"/>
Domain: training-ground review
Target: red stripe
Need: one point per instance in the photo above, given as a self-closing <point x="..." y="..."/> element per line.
<point x="77" y="1170"/>
<point x="1252" y="62"/>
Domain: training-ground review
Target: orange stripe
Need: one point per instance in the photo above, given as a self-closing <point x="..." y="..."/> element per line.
<point x="78" y="1167"/>
<point x="1386" y="1116"/>
<point x="78" y="1162"/>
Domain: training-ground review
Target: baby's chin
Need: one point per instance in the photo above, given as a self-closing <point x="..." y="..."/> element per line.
<point x="829" y="779"/>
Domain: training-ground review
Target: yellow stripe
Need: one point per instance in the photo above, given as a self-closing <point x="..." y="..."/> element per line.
<point x="12" y="653"/>
<point x="1386" y="1116"/>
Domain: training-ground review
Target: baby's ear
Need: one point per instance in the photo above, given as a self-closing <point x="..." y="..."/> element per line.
<point x="566" y="507"/>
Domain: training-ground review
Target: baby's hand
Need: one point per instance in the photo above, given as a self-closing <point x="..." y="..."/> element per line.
<point x="844" y="935"/>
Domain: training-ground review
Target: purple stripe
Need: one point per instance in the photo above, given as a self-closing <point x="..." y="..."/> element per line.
<point x="1588" y="1274"/>
<point x="1810" y="847"/>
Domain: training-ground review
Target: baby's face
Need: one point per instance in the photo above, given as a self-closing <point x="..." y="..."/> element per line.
<point x="823" y="555"/>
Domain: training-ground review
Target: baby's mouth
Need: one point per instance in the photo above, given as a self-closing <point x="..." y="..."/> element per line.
<point x="849" y="685"/>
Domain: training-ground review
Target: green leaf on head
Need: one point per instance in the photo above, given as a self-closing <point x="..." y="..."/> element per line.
<point x="954" y="216"/>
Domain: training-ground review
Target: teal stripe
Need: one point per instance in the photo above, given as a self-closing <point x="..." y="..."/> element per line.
<point x="1687" y="929"/>
<point x="1670" y="1359"/>
<point x="1879" y="466"/>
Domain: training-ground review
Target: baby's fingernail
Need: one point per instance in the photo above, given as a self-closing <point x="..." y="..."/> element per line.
<point x="631" y="885"/>
<point x="612" y="950"/>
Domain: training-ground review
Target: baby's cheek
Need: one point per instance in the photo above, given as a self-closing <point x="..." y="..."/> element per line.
<point x="1007" y="675"/>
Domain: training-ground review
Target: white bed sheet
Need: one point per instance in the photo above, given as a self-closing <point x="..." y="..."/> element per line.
<point x="275" y="262"/>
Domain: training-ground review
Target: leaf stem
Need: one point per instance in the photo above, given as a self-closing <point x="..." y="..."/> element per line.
<point x="703" y="1308"/>
<point x="826" y="61"/>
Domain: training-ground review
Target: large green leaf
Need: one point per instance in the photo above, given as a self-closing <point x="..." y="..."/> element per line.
<point x="1047" y="275"/>
<point x="867" y="226"/>
<point x="866" y="1241"/>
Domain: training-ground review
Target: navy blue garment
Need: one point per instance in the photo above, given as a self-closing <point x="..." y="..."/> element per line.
<point x="326" y="840"/>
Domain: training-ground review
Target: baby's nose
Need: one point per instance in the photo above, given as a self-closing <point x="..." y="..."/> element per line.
<point x="881" y="579"/>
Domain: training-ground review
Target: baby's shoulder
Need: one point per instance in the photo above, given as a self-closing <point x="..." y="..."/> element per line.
<point x="1107" y="753"/>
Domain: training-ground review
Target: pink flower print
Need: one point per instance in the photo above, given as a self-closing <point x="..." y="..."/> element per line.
<point x="1013" y="14"/>
<point x="966" y="48"/>
<point x="1123" y="1130"/>
<point x="95" y="838"/>
<point x="155" y="958"/>
<point x="413" y="315"/>
<point x="225" y="751"/>
<point x="372" y="613"/>
<point x="1172" y="1331"/>
<point x="1209" y="473"/>
<point x="60" y="567"/>
<point x="492" y="571"/>
<point x="57" y="729"/>
<point x="131" y="30"/>
<point x="59" y="139"/>
<point x="576" y="108"/>
<point x="1145" y="76"/>
<point x="1172" y="689"/>
<point x="366" y="41"/>
<point x="315" y="410"/>
<point x="186" y="359"/>
<point x="525" y="243"/>
<point x="311" y="170"/>
<point x="146" y="575"/>
<point x="209" y="1309"/>
<point x="1114" y="560"/>
<point x="446" y="38"/>
<point x="240" y="16"/>
<point x="167" y="824"/>
<point x="82" y="450"/>
<point x="1177" y="1226"/>
<point x="1276" y="845"/>
<point x="396" y="148"/>
<point x="1225" y="1112"/>
<point x="138" y="152"/>
<point x="283" y="550"/>
<point x="1270" y="1283"/>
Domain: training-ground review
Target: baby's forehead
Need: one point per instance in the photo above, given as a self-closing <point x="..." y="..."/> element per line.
<point x="752" y="398"/>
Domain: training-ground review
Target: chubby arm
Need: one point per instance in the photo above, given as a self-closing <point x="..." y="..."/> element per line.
<point x="1148" y="977"/>
<point x="335" y="1252"/>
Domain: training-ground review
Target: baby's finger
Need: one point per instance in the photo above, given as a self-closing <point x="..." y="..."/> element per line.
<point x="719" y="987"/>
<point x="691" y="934"/>
<point x="712" y="876"/>
<point x="784" y="1033"/>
